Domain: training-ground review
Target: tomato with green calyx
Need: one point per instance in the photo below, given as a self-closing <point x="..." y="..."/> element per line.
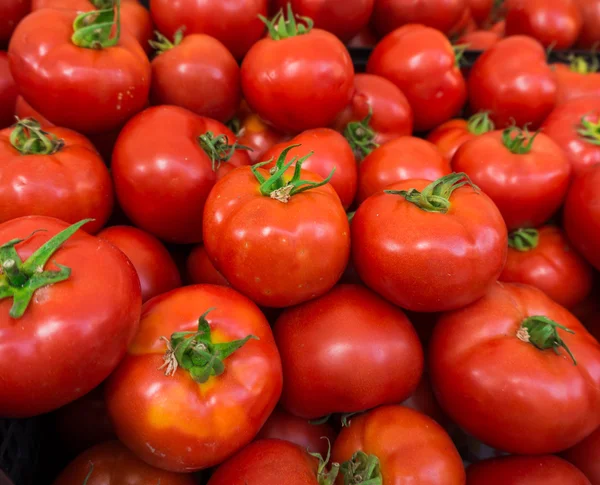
<point x="51" y="277"/>
<point x="8" y="93"/>
<point x="579" y="79"/>
<point x="200" y="270"/>
<point x="11" y="13"/>
<point x="585" y="455"/>
<point x="219" y="381"/>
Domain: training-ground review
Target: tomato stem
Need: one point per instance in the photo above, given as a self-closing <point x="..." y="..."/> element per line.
<point x="522" y="141"/>
<point x="280" y="27"/>
<point x="362" y="469"/>
<point x="543" y="333"/>
<point x="480" y="123"/>
<point x="590" y="131"/>
<point x="361" y="136"/>
<point x="89" y="474"/>
<point x="92" y="30"/>
<point x="580" y="65"/>
<point x="19" y="280"/>
<point x="459" y="53"/>
<point x="162" y="44"/>
<point x="323" y="476"/>
<point x="524" y="239"/>
<point x="28" y="138"/>
<point x="218" y="148"/>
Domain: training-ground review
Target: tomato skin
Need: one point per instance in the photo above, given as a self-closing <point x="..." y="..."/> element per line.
<point x="233" y="406"/>
<point x="113" y="464"/>
<point x="423" y="400"/>
<point x="590" y="34"/>
<point x="163" y="176"/>
<point x="527" y="188"/>
<point x="450" y="136"/>
<point x="257" y="135"/>
<point x="365" y="38"/>
<point x="8" y="93"/>
<point x="411" y="447"/>
<point x="401" y="159"/>
<point x="525" y="470"/>
<point x="468" y="243"/>
<point x="331" y="150"/>
<point x="581" y="217"/>
<point x="573" y="85"/>
<point x="200" y="270"/>
<point x="24" y="110"/>
<point x="421" y="62"/>
<point x="199" y="74"/>
<point x="585" y="456"/>
<point x="94" y="330"/>
<point x="391" y="113"/>
<point x="11" y="13"/>
<point x="481" y="10"/>
<point x="71" y="184"/>
<point x="480" y="40"/>
<point x="513" y="82"/>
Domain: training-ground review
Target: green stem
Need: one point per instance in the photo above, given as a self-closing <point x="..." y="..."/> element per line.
<point x="346" y="418"/>
<point x="319" y="421"/>
<point x="89" y="474"/>
<point x="480" y="123"/>
<point x="28" y="138"/>
<point x="19" y="280"/>
<point x="350" y="215"/>
<point x="459" y="53"/>
<point x="325" y="477"/>
<point x="92" y="30"/>
<point x="543" y="334"/>
<point x="361" y="136"/>
<point x="522" y="141"/>
<point x="162" y="44"/>
<point x="280" y="27"/>
<point x="524" y="239"/>
<point x="218" y="148"/>
<point x="589" y="131"/>
<point x="580" y="65"/>
<point x="362" y="469"/>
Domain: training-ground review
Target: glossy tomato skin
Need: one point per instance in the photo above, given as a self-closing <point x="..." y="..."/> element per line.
<point x="163" y="176"/>
<point x="43" y="58"/>
<point x="585" y="455"/>
<point x="467" y="244"/>
<point x="8" y="93"/>
<point x="71" y="184"/>
<point x="450" y="136"/>
<point x="66" y="322"/>
<point x="410" y="446"/>
<point x="421" y="62"/>
<point x="391" y="113"/>
<point x="590" y="34"/>
<point x="573" y="85"/>
<point x="331" y="151"/>
<point x="113" y="464"/>
<point x="200" y="270"/>
<point x="480" y="40"/>
<point x="198" y="74"/>
<point x="201" y="424"/>
<point x="581" y="216"/>
<point x="513" y="82"/>
<point x="11" y="13"/>
<point x="473" y="378"/>
<point x="527" y="188"/>
<point x="525" y="470"/>
<point x="309" y="95"/>
<point x="153" y="263"/>
<point x="364" y="353"/>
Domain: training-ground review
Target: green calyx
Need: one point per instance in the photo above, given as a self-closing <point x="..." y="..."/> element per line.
<point x="361" y="136"/>
<point x="543" y="333"/>
<point x="277" y="187"/>
<point x="162" y="44"/>
<point x="20" y="279"/>
<point x="480" y="123"/>
<point x="346" y="418"/>
<point x="197" y="353"/>
<point x="459" y="53"/>
<point x="218" y="148"/>
<point x="28" y="138"/>
<point x="436" y="196"/>
<point x="518" y="141"/>
<point x="325" y="477"/>
<point x="580" y="65"/>
<point x="92" y="30"/>
<point x="280" y="27"/>
<point x="524" y="239"/>
<point x="362" y="469"/>
<point x="589" y="131"/>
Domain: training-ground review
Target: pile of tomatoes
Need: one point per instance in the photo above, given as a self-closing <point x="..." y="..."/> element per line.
<point x="226" y="258"/>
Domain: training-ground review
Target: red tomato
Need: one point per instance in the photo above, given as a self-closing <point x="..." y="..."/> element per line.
<point x="544" y="258"/>
<point x="11" y="13"/>
<point x="294" y="213"/>
<point x="343" y="374"/>
<point x="527" y="176"/>
<point x="499" y="28"/>
<point x="200" y="270"/>
<point x="8" y="93"/>
<point x="582" y="215"/>
<point x="309" y="95"/>
<point x="555" y="23"/>
<point x="254" y="133"/>
<point x="525" y="470"/>
<point x="461" y="235"/>
<point x="590" y="33"/>
<point x="514" y="350"/>
<point x="215" y="394"/>
<point x="112" y="464"/>
<point x="421" y="62"/>
<point x="331" y="151"/>
<point x="401" y="159"/>
<point x="390" y="114"/>
<point x="55" y="173"/>
<point x="424" y="401"/>
<point x="166" y="161"/>
<point x="44" y="57"/>
<point x="513" y="82"/>
<point x="84" y="307"/>
<point x="442" y="15"/>
<point x="365" y="38"/>
<point x="153" y="263"/>
<point x="198" y="73"/>
<point x="481" y="10"/>
<point x="464" y="24"/>
<point x="579" y="80"/>
<point x="316" y="438"/>
<point x="585" y="455"/>
<point x="479" y="40"/>
<point x="406" y="445"/>
<point x="24" y="110"/>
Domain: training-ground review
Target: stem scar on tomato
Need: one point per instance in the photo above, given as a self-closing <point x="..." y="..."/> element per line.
<point x="162" y="44"/>
<point x="28" y="138"/>
<point x="92" y="30"/>
<point x="218" y="148"/>
<point x="522" y="141"/>
<point x="362" y="469"/>
<point x="543" y="334"/>
<point x="589" y="130"/>
<point x="323" y="476"/>
<point x="361" y="136"/>
<point x="524" y="239"/>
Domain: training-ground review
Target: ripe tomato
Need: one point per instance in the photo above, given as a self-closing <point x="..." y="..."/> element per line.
<point x="255" y="134"/>
<point x="579" y="80"/>
<point x="545" y="259"/>
<point x="24" y="110"/>
<point x="365" y="38"/>
<point x="111" y="463"/>
<point x="153" y="263"/>
<point x="585" y="455"/>
<point x="525" y="470"/>
<point x="220" y="385"/>
<point x="464" y="24"/>
<point x="200" y="270"/>
<point x="55" y="173"/>
<point x="527" y="176"/>
<point x="590" y="34"/>
<point x="83" y="307"/>
<point x="166" y="161"/>
<point x="8" y="93"/>
<point x="11" y="13"/>
<point x="401" y="159"/>
<point x="397" y="444"/>
<point x="423" y="400"/>
<point x="473" y="377"/>
<point x="294" y="213"/>
<point x="582" y="215"/>
<point x="481" y="10"/>
<point x="513" y="82"/>
<point x="421" y="62"/>
<point x="47" y="55"/>
<point x="479" y="40"/>
<point x="331" y="152"/>
<point x="198" y="73"/>
<point x="309" y="95"/>
<point x="461" y="235"/>
<point x="343" y="375"/>
<point x="316" y="438"/>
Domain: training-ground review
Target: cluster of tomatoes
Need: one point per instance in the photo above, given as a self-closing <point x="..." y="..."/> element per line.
<point x="237" y="264"/>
